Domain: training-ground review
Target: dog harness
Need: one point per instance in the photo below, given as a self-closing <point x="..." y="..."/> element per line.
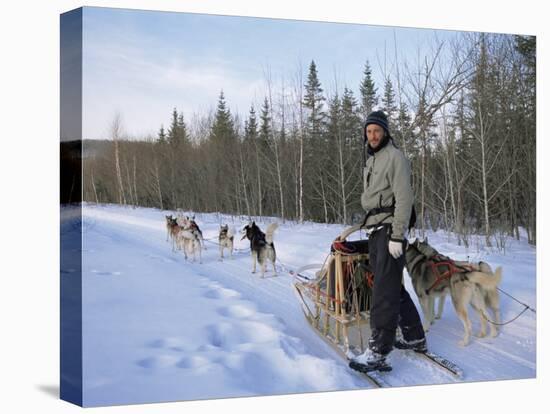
<point x="439" y="261"/>
<point x="452" y="269"/>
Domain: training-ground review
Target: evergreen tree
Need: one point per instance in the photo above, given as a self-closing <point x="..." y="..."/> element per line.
<point x="222" y="149"/>
<point x="251" y="127"/>
<point x="369" y="99"/>
<point x="177" y="133"/>
<point x="334" y="123"/>
<point x="313" y="101"/>
<point x="316" y="151"/>
<point x="388" y="103"/>
<point x="173" y="130"/>
<point x="265" y="126"/>
<point x="162" y="135"/>
<point x="351" y="121"/>
<point x="222" y="131"/>
<point x="402" y="132"/>
<point x="182" y="130"/>
<point x="352" y="132"/>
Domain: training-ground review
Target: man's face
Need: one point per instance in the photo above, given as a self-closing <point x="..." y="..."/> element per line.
<point x="375" y="133"/>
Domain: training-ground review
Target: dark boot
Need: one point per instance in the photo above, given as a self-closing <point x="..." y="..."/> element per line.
<point x="417" y="345"/>
<point x="370" y="361"/>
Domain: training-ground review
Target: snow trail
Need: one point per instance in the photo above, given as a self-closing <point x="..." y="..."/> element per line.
<point x="158" y="328"/>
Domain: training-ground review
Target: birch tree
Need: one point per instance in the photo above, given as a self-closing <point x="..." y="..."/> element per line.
<point x="116" y="132"/>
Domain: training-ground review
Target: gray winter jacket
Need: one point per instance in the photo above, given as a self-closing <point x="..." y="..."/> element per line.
<point x="387" y="176"/>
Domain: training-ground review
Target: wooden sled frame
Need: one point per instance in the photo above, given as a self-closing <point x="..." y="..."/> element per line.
<point x="335" y="304"/>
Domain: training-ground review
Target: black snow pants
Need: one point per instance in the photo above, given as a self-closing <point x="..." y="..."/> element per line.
<point x="391" y="304"/>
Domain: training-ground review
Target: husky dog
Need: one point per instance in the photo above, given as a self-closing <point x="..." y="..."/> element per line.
<point x="225" y="240"/>
<point x="441" y="294"/>
<point x="169" y="224"/>
<point x="190" y="224"/>
<point x="190" y="242"/>
<point x="474" y="284"/>
<point x="261" y="245"/>
<point x="173" y="230"/>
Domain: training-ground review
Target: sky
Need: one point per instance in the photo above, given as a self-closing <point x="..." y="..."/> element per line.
<point x="142" y="64"/>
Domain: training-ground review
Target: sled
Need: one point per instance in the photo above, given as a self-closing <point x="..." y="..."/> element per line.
<point x="336" y="300"/>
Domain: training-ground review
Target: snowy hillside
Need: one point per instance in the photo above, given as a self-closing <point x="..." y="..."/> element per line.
<point x="158" y="328"/>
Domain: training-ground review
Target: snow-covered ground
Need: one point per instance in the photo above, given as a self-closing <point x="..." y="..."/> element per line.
<point x="159" y="328"/>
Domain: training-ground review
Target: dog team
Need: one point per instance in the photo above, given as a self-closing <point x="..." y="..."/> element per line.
<point x="187" y="236"/>
<point x="467" y="283"/>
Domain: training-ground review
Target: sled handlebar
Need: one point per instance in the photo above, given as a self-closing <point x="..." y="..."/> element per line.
<point x="348" y="231"/>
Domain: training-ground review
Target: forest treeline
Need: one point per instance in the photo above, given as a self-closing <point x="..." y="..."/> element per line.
<point x="464" y="114"/>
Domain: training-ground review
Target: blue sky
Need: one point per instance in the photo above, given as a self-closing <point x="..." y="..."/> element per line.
<point x="142" y="64"/>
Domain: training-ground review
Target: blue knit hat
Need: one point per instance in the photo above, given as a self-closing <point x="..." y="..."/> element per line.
<point x="379" y="118"/>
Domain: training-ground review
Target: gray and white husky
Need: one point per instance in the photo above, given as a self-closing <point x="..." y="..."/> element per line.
<point x="188" y="223"/>
<point x="261" y="245"/>
<point x="225" y="240"/>
<point x="190" y="243"/>
<point x="475" y="284"/>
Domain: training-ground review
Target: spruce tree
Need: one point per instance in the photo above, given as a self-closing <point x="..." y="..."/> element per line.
<point x="251" y="127"/>
<point x="388" y="102"/>
<point x="177" y="133"/>
<point x="162" y="135"/>
<point x="222" y="131"/>
<point x="173" y="130"/>
<point x="313" y="101"/>
<point x="369" y="99"/>
<point x="265" y="126"/>
<point x="316" y="151"/>
<point x="352" y="132"/>
<point x="182" y="130"/>
<point x="334" y="123"/>
<point x="402" y="131"/>
<point x="351" y="121"/>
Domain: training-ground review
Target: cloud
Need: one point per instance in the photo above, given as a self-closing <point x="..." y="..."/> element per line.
<point x="145" y="86"/>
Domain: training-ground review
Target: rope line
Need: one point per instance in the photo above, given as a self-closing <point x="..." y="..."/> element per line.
<point x="526" y="307"/>
<point x="510" y="296"/>
<point x="505" y="323"/>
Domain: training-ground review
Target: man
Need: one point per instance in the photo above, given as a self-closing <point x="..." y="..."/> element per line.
<point x="388" y="200"/>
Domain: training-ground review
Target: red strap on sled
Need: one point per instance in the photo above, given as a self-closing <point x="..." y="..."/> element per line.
<point x="340" y="246"/>
<point x="370" y="279"/>
<point x="326" y="295"/>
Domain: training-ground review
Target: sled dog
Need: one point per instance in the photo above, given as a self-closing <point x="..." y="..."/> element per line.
<point x="190" y="224"/>
<point x="261" y="245"/>
<point x="190" y="243"/>
<point x="473" y="284"/>
<point x="172" y="230"/>
<point x="225" y="240"/>
<point x="169" y="223"/>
